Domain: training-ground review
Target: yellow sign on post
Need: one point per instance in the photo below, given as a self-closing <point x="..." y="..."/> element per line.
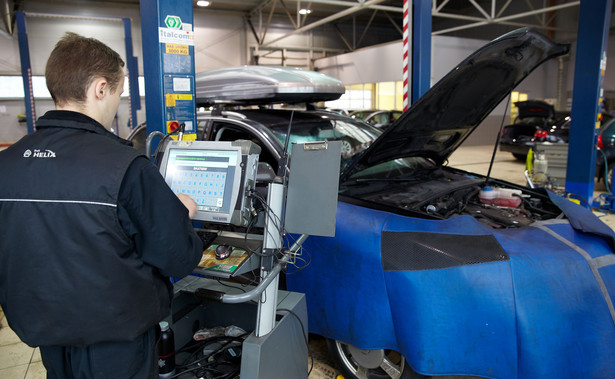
<point x="173" y="97"/>
<point x="173" y="48"/>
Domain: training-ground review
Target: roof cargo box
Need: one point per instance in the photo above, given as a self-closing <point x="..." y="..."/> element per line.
<point x="265" y="85"/>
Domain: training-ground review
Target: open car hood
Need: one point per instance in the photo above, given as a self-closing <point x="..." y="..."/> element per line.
<point x="444" y="116"/>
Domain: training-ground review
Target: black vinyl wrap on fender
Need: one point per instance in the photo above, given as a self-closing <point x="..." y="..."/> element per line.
<point x="413" y="251"/>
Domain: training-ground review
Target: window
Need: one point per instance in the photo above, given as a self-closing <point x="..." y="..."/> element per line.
<point x="384" y="95"/>
<point x="11" y="87"/>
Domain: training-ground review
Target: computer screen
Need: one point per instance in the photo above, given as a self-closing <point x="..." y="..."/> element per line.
<point x="213" y="175"/>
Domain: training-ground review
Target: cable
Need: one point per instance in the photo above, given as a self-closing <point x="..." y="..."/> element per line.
<point x="198" y="346"/>
<point x="307" y="262"/>
<point x="307" y="345"/>
<point x="161" y="143"/>
<point x="228" y="285"/>
<point x="275" y="220"/>
<point x="580" y="198"/>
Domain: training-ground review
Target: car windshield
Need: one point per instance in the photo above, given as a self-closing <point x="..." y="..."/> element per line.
<point x="608" y="129"/>
<point x="533" y="120"/>
<point x="354" y="136"/>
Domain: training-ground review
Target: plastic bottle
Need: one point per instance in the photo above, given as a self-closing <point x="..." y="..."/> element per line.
<point x="166" y="351"/>
<point x="540" y="164"/>
<point x="502" y="197"/>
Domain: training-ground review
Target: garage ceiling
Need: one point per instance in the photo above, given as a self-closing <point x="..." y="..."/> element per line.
<point x="360" y="23"/>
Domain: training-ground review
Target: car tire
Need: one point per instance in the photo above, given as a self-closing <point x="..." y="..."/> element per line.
<point x="520" y="157"/>
<point x="347" y="148"/>
<point x="609" y="179"/>
<point x="356" y="363"/>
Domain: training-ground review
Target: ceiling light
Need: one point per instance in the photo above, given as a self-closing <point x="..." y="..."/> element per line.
<point x="202" y="3"/>
<point x="305" y="11"/>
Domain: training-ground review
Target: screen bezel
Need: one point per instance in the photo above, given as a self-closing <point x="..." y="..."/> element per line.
<point x="209" y="146"/>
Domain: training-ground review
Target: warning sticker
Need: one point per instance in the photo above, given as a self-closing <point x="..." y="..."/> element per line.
<point x="172" y="98"/>
<point x="172" y="48"/>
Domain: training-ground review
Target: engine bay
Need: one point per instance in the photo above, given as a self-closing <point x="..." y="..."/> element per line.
<point x="444" y="193"/>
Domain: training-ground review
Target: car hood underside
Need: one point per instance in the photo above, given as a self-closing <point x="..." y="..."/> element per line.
<point x="444" y="116"/>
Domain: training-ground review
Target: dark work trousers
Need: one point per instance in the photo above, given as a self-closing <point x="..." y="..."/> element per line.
<point x="135" y="359"/>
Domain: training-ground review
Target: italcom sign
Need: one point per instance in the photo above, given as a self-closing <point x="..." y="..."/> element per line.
<point x="176" y="36"/>
<point x="174" y="33"/>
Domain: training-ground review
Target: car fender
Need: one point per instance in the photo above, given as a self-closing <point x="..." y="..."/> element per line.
<point x="538" y="310"/>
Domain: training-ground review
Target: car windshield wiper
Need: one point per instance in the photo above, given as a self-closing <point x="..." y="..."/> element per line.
<point x="379" y="180"/>
<point x="360" y="181"/>
<point x="417" y="176"/>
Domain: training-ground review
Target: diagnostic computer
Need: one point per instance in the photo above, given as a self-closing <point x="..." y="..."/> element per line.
<point x="218" y="176"/>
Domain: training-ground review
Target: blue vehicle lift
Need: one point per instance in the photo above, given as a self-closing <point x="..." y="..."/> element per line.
<point x="26" y="68"/>
<point x="168" y="56"/>
<point x="590" y="65"/>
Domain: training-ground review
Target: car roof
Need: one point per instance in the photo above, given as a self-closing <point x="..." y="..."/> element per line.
<point x="278" y="119"/>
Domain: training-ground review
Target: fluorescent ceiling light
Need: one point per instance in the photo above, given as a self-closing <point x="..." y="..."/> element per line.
<point x="305" y="11"/>
<point x="202" y="3"/>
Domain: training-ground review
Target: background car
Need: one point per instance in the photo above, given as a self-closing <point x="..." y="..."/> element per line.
<point x="605" y="157"/>
<point x="378" y="118"/>
<point x="537" y="121"/>
<point x="427" y="274"/>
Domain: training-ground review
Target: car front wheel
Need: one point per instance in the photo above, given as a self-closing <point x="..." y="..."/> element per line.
<point x="370" y="364"/>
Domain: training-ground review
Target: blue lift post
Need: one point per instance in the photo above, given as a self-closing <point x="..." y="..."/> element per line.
<point x="421" y="48"/>
<point x="590" y="64"/>
<point x="133" y="74"/>
<point x="168" y="65"/>
<point x="26" y="70"/>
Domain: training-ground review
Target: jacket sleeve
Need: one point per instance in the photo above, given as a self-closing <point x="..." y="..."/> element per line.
<point x="152" y="215"/>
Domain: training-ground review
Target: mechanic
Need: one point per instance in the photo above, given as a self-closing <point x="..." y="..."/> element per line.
<point x="91" y="233"/>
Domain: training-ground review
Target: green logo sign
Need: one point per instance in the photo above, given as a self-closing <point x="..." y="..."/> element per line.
<point x="173" y="22"/>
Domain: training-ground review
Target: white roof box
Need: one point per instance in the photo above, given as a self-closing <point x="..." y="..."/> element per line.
<point x="264" y="85"/>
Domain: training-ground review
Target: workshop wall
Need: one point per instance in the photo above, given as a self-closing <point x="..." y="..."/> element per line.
<point x="224" y="40"/>
<point x="221" y="40"/>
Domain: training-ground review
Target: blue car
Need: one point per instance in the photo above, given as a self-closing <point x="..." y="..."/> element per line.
<point x="435" y="270"/>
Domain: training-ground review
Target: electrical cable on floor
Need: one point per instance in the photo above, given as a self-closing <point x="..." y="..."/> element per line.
<point x="198" y="346"/>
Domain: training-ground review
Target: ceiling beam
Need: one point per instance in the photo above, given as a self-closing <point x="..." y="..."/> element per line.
<point x="326" y="20"/>
<point x="504" y="20"/>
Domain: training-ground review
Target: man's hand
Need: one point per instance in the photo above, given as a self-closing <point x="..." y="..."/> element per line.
<point x="188" y="203"/>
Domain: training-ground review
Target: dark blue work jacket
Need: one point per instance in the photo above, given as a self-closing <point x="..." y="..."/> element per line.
<point x="71" y="273"/>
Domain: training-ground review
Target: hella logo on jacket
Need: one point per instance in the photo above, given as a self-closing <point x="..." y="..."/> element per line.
<point x="39" y="154"/>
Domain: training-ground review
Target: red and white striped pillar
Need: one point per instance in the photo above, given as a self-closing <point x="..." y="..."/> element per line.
<point x="130" y="120"/>
<point x="405" y="50"/>
<point x="31" y="94"/>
